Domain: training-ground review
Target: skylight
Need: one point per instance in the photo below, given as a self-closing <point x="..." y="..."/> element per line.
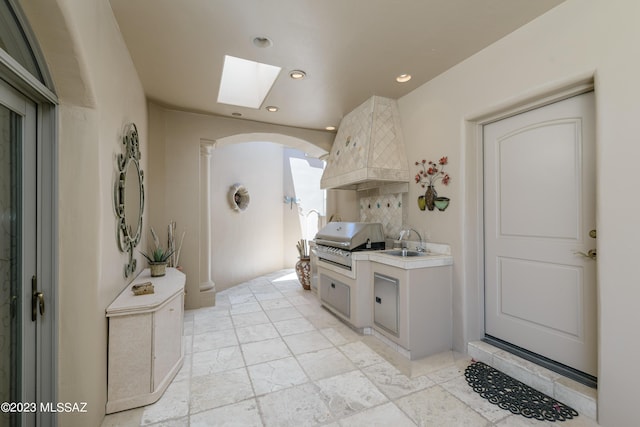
<point x="246" y="83"/>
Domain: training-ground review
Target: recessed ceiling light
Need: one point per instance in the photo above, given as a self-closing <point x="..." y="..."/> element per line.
<point x="262" y="42"/>
<point x="297" y="74"/>
<point x="245" y="83"/>
<point x="330" y="128"/>
<point x="403" y="78"/>
<point x="272" y="108"/>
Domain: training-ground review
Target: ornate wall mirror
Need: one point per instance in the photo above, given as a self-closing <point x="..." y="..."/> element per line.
<point x="129" y="196"/>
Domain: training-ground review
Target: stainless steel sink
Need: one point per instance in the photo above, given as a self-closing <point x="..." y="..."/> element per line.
<point x="404" y="253"/>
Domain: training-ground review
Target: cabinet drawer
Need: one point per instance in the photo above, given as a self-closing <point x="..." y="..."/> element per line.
<point x="385" y="302"/>
<point x="335" y="294"/>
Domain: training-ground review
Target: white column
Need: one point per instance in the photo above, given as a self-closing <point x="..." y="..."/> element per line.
<point x="206" y="284"/>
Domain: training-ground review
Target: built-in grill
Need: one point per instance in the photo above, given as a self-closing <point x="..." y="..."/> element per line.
<point x="337" y="240"/>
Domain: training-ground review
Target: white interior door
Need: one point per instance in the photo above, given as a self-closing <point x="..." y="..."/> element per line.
<point x="539" y="212"/>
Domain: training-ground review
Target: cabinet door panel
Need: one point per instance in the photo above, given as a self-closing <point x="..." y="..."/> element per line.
<point x="336" y="294"/>
<point x="129" y="351"/>
<point x="385" y="302"/>
<point x="167" y="331"/>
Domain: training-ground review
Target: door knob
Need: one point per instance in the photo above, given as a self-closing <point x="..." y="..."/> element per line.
<point x="40" y="296"/>
<point x="37" y="300"/>
<point x="591" y="254"/>
<point x="592" y="234"/>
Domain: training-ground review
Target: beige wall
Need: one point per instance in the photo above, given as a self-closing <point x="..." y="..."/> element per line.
<point x="291" y="226"/>
<point x="99" y="93"/>
<point x="343" y="205"/>
<point x="175" y="139"/>
<point x="246" y="244"/>
<point x="580" y="39"/>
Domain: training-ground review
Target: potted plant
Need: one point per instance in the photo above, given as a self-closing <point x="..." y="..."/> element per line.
<point x="157" y="257"/>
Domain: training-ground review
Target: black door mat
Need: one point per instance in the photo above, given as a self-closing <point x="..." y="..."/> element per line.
<point x="512" y="395"/>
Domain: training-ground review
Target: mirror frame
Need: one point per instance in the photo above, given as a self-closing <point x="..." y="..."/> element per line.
<point x="128" y="237"/>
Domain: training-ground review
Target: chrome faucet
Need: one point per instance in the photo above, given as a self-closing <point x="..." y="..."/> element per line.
<point x="405" y="233"/>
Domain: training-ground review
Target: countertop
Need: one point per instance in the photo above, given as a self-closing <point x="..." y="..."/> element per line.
<point x="165" y="286"/>
<point x="437" y="255"/>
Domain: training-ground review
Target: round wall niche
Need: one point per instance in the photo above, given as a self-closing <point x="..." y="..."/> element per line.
<point x="239" y="197"/>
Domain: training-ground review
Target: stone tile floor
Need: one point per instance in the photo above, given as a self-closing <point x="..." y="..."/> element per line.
<point x="269" y="355"/>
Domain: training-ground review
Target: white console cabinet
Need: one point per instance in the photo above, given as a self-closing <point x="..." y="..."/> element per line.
<point x="145" y="341"/>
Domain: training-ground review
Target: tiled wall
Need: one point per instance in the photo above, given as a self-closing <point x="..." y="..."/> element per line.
<point x="387" y="209"/>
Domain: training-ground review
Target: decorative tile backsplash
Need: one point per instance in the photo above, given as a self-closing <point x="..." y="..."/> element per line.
<point x="386" y="209"/>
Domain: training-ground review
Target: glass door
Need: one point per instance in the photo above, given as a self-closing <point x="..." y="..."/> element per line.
<point x="18" y="260"/>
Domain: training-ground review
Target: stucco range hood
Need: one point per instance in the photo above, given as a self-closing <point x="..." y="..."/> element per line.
<point x="369" y="149"/>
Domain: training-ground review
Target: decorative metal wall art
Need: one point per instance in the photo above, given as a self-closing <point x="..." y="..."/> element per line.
<point x="239" y="197"/>
<point x="428" y="174"/>
<point x="129" y="196"/>
<point x="290" y="200"/>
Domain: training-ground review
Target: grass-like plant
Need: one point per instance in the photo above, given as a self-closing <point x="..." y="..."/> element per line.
<point x="158" y="254"/>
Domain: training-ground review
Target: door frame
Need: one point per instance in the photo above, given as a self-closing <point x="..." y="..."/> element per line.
<point x="473" y="328"/>
<point x="47" y="206"/>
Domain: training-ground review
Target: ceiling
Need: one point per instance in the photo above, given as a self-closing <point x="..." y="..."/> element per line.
<point x="349" y="49"/>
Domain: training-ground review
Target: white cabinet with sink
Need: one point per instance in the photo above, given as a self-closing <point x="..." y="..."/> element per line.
<point x="404" y="300"/>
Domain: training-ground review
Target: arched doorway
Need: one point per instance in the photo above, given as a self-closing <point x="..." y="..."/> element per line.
<point x="212" y="234"/>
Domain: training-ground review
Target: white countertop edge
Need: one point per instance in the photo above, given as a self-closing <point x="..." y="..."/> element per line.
<point x="166" y="288"/>
<point x="423" y="261"/>
<point x="153" y="305"/>
<point x="437" y="255"/>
